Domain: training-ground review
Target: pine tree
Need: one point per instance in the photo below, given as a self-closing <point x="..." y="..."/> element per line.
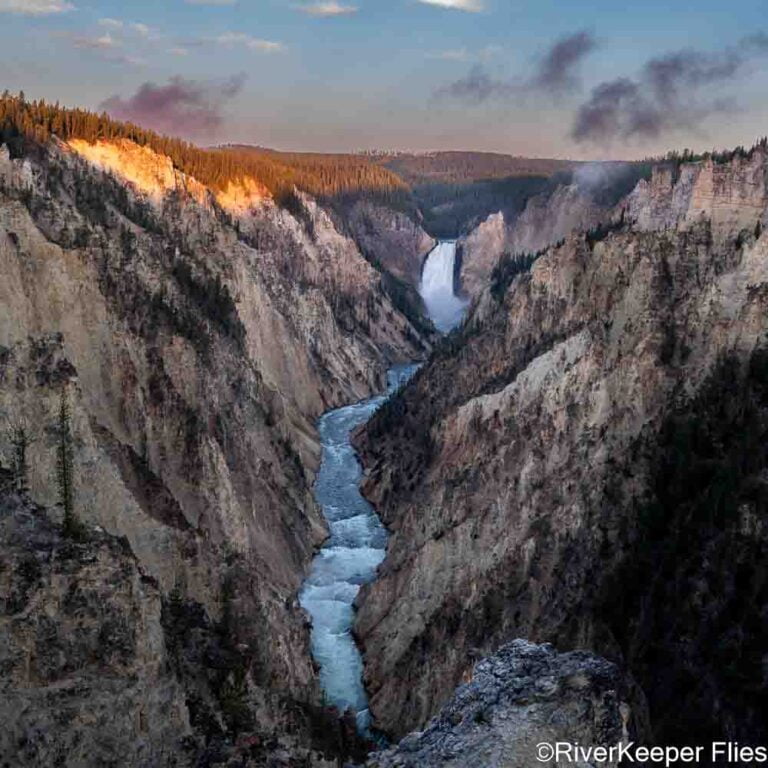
<point x="65" y="468"/>
<point x="20" y="441"/>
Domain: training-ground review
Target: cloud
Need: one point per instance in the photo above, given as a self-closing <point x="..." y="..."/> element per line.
<point x="103" y="42"/>
<point x="120" y="27"/>
<point x="178" y="51"/>
<point x="463" y="54"/>
<point x="141" y="29"/>
<point x="252" y="43"/>
<point x="458" y="54"/>
<point x="182" y="106"/>
<point x="757" y="42"/>
<point x="555" y="73"/>
<point x="556" y="70"/>
<point x="674" y="91"/>
<point x="35" y="7"/>
<point x="326" y="9"/>
<point x="478" y="86"/>
<point x="460" y="5"/>
<point x="210" y="2"/>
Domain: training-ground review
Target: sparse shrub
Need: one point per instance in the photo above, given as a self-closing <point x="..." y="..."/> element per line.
<point x="508" y="268"/>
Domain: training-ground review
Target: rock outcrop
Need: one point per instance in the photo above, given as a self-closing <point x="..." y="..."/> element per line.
<point x="196" y="336"/>
<point x="391" y="238"/>
<point x="522" y="696"/>
<point x="546" y="219"/>
<point x="543" y="474"/>
<point x="589" y="196"/>
<point x="99" y="668"/>
<point x="85" y="668"/>
<point x="732" y="196"/>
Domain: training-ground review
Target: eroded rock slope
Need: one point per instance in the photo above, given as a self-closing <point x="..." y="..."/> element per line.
<point x="522" y="696"/>
<point x="196" y="337"/>
<point x="584" y="463"/>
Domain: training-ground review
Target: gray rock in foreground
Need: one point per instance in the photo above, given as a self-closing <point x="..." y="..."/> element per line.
<point x="521" y="696"/>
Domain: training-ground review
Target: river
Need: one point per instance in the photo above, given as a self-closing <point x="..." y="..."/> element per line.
<point x="357" y="542"/>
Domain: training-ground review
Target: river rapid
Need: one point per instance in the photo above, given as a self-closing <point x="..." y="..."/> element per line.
<point x="350" y="556"/>
<point x="358" y="540"/>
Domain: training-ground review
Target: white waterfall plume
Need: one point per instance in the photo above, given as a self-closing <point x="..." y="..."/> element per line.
<point x="444" y="307"/>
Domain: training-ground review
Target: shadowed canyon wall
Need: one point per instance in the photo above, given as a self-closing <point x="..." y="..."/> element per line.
<point x="580" y="464"/>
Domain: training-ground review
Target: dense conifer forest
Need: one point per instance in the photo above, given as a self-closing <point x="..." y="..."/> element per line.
<point x="328" y="177"/>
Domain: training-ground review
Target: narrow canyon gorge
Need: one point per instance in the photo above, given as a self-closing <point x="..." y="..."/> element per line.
<point x="297" y="470"/>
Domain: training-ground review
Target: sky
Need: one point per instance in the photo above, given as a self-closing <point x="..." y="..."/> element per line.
<point x="548" y="78"/>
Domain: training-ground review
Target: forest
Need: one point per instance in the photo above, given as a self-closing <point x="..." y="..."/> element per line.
<point x="24" y="124"/>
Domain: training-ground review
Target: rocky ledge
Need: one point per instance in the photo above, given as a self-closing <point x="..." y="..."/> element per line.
<point x="523" y="695"/>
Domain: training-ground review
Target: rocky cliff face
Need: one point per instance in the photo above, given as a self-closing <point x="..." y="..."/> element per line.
<point x="197" y="337"/>
<point x="392" y="239"/>
<point x="522" y="696"/>
<point x="546" y="219"/>
<point x="100" y="668"/>
<point x="544" y="474"/>
<point x="83" y="642"/>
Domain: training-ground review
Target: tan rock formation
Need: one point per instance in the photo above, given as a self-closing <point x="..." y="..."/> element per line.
<point x="197" y="346"/>
<point x="546" y="219"/>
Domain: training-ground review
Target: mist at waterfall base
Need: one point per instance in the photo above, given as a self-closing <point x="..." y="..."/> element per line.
<point x="350" y="556"/>
<point x="445" y="309"/>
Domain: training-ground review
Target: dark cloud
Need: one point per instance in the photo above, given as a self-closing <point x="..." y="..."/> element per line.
<point x="182" y="107"/>
<point x="677" y="90"/>
<point x="757" y="42"/>
<point x="555" y="73"/>
<point x="478" y="86"/>
<point x="614" y="107"/>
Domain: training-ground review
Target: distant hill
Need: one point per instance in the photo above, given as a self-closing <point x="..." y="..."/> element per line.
<point x="454" y="190"/>
<point x="468" y="167"/>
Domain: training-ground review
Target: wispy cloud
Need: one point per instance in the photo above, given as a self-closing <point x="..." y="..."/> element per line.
<point x="210" y="2"/>
<point x="141" y="29"/>
<point x="557" y="69"/>
<point x="178" y="50"/>
<point x="456" y="54"/>
<point x="472" y="6"/>
<point x="118" y="25"/>
<point x="465" y="55"/>
<point x="103" y="42"/>
<point x="676" y="91"/>
<point x="35" y="7"/>
<point x="325" y="9"/>
<point x="252" y="43"/>
<point x="477" y="86"/>
<point x="555" y="73"/>
<point x="192" y="107"/>
<point x="116" y="41"/>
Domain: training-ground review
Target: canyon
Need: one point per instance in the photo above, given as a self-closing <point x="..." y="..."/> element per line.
<point x="578" y="462"/>
<point x="348" y="490"/>
<point x="196" y="337"/>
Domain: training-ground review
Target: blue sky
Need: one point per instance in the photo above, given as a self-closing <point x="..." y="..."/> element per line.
<point x="410" y="74"/>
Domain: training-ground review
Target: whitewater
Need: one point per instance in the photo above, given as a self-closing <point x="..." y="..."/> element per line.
<point x="350" y="556"/>
<point x="358" y="540"/>
<point x="437" y="287"/>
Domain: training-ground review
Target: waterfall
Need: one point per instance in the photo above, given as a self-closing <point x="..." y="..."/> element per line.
<point x="444" y="307"/>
